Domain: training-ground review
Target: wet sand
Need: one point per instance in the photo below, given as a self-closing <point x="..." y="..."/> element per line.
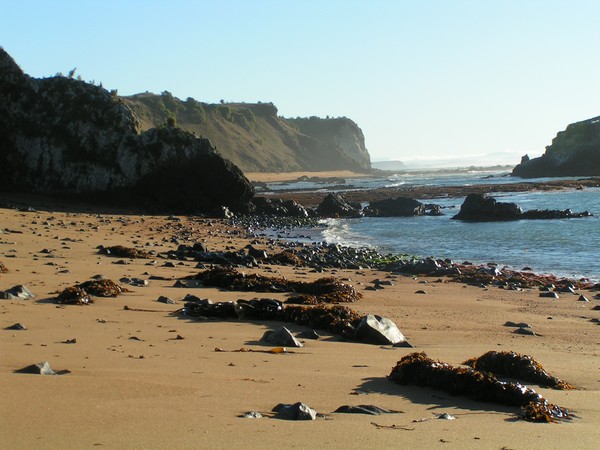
<point x="156" y="391"/>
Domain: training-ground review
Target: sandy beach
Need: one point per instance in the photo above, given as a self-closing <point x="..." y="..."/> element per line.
<point x="142" y="377"/>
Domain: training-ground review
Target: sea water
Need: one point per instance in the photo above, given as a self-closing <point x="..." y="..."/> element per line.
<point x="564" y="247"/>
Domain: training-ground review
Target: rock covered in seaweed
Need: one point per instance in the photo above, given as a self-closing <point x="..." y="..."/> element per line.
<point x="401" y="207"/>
<point x="334" y="205"/>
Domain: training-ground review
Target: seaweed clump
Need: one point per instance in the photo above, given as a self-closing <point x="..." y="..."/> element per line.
<point x="514" y="365"/>
<point x="124" y="252"/>
<point x="337" y="319"/>
<point x="74" y="296"/>
<point x="328" y="290"/>
<point x="418" y="369"/>
<point x="81" y="293"/>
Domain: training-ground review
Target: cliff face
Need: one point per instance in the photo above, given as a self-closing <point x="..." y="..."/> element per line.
<point x="63" y="136"/>
<point x="574" y="152"/>
<point x="255" y="138"/>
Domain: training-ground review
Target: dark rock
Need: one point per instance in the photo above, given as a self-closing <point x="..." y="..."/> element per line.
<point x="18" y="292"/>
<point x="481" y="208"/>
<point x="42" y="368"/>
<point x="364" y="409"/>
<point x="334" y="205"/>
<point x="401" y="207"/>
<point x="526" y="331"/>
<point x="278" y="207"/>
<point x="263" y="308"/>
<point x="312" y="334"/>
<point x="378" y="330"/>
<point x="583" y="298"/>
<point x="517" y="325"/>
<point x="281" y="337"/>
<point x="549" y="294"/>
<point x="297" y="411"/>
<point x="167" y="300"/>
<point x="478" y="207"/>
<point x="16" y="326"/>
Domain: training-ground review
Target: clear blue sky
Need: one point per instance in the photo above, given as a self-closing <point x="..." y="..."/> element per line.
<point x="422" y="78"/>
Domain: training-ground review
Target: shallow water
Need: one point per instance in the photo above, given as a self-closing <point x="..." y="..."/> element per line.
<point x="566" y="247"/>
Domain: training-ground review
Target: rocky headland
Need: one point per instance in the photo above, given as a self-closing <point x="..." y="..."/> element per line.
<point x="574" y="152"/>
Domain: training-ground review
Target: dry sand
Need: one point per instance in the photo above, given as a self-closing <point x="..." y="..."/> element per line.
<point x="160" y="392"/>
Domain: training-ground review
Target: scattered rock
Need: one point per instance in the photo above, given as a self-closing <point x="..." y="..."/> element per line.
<point x="582" y="298"/>
<point x="549" y="294"/>
<point x="16" y="326"/>
<point x="252" y="415"/>
<point x="42" y="368"/>
<point x="365" y="409"/>
<point x="311" y="334"/>
<point x="282" y="337"/>
<point x="517" y="325"/>
<point x="526" y="331"/>
<point x="378" y="330"/>
<point x="297" y="411"/>
<point x="167" y="300"/>
<point x="18" y="292"/>
<point x="74" y="296"/>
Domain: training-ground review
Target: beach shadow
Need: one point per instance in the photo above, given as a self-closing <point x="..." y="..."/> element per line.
<point x="427" y="396"/>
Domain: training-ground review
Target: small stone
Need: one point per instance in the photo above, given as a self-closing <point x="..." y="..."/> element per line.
<point x="167" y="300"/>
<point x="582" y="298"/>
<point x="16" y="326"/>
<point x="297" y="411"/>
<point x="42" y="368"/>
<point x="281" y="336"/>
<point x="420" y="291"/>
<point x="251" y="415"/>
<point x="549" y="294"/>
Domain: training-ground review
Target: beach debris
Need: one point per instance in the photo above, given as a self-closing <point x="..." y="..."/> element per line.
<point x="329" y="290"/>
<point x="42" y="368"/>
<point x="73" y="295"/>
<point x="365" y="409"/>
<point x="16" y="326"/>
<point x="251" y="415"/>
<point x="378" y="330"/>
<point x="297" y="411"/>
<point x="281" y="336"/>
<point x="167" y="300"/>
<point x="18" y="292"/>
<point x="69" y="341"/>
<point x="120" y="251"/>
<point x="418" y="369"/>
<point x="517" y="366"/>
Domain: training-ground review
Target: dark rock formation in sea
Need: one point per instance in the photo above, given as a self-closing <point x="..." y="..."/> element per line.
<point x="481" y="208"/>
<point x="62" y="136"/>
<point x="401" y="207"/>
<point x="255" y="138"/>
<point x="574" y="152"/>
<point x="334" y="205"/>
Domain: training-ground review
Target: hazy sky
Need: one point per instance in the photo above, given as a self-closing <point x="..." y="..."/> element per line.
<point x="422" y="78"/>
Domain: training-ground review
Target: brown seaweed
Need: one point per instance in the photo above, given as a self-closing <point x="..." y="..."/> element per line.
<point x="418" y="369"/>
<point x="74" y="296"/>
<point x="328" y="290"/>
<point x="517" y="366"/>
<point x="102" y="288"/>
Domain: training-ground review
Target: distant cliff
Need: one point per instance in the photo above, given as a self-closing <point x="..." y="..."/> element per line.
<point x="62" y="136"/>
<point x="574" y="152"/>
<point x="255" y="138"/>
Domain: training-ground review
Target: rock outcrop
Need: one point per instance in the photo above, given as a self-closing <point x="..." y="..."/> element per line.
<point x="62" y="136"/>
<point x="335" y="206"/>
<point x="574" y="152"/>
<point x="481" y="208"/>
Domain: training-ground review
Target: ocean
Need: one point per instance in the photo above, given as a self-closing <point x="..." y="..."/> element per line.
<point x="565" y="247"/>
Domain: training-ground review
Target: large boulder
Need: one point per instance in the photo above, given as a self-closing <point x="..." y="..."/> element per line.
<point x="401" y="207"/>
<point x="61" y="136"/>
<point x="277" y="207"/>
<point x="334" y="205"/>
<point x="374" y="329"/>
<point x="481" y="208"/>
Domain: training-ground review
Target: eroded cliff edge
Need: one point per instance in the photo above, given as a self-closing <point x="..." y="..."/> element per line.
<point x="574" y="152"/>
